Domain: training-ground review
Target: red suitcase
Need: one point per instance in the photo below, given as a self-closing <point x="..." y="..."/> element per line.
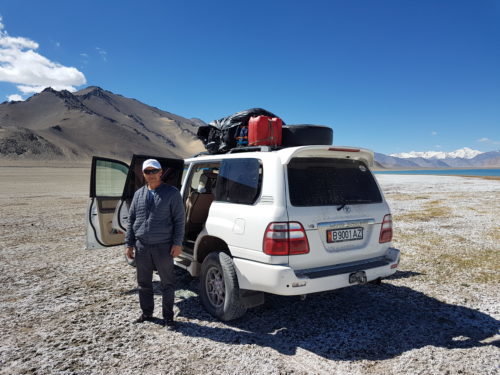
<point x="264" y="131"/>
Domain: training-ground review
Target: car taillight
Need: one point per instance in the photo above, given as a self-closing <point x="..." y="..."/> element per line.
<point x="386" y="229"/>
<point x="285" y="238"/>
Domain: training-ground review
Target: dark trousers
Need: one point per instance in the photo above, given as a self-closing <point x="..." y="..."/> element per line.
<point x="147" y="257"/>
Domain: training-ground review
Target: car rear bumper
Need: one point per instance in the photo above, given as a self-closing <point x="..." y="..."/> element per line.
<point x="283" y="280"/>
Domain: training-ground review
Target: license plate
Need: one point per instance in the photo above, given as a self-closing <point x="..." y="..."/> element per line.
<point x="347" y="234"/>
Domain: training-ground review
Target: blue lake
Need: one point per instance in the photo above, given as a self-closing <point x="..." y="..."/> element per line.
<point x="457" y="172"/>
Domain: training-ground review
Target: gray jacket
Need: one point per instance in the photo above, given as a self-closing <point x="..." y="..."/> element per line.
<point x="162" y="222"/>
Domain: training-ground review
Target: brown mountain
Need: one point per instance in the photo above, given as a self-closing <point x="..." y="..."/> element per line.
<point x="59" y="125"/>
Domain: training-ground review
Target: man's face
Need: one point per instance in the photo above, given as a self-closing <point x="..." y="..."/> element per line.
<point x="152" y="175"/>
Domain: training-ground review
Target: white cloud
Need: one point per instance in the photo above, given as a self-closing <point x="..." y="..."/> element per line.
<point x="487" y="140"/>
<point x="103" y="53"/>
<point x="21" y="64"/>
<point x="434" y="133"/>
<point x="34" y="89"/>
<point x="15" y="98"/>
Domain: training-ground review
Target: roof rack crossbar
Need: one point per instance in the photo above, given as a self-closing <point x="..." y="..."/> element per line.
<point x="253" y="149"/>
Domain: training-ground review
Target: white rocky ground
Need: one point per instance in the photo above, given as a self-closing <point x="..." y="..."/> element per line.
<point x="64" y="310"/>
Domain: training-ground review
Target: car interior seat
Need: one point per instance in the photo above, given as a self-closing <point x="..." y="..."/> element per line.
<point x="198" y="204"/>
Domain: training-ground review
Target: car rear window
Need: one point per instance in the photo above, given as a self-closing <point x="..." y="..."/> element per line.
<point x="328" y="182"/>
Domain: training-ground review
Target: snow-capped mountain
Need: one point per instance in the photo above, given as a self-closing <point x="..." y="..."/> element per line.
<point x="463" y="158"/>
<point x="463" y="153"/>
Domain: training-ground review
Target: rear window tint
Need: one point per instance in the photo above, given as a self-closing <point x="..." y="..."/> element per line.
<point x="239" y="181"/>
<point x="329" y="182"/>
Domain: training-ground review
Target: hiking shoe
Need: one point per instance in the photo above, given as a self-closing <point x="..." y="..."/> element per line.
<point x="170" y="325"/>
<point x="143" y="318"/>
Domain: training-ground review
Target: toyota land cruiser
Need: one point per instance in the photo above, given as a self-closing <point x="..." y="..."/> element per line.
<point x="291" y="221"/>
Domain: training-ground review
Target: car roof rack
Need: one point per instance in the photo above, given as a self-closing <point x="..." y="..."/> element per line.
<point x="253" y="149"/>
<point x="203" y="153"/>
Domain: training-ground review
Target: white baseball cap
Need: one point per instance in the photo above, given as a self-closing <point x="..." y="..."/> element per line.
<point x="151" y="163"/>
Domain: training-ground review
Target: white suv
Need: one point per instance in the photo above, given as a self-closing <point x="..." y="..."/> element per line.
<point x="292" y="221"/>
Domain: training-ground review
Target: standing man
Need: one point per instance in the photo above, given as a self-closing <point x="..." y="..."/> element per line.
<point x="156" y="230"/>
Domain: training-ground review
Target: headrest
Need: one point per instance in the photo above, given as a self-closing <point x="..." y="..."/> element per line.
<point x="207" y="182"/>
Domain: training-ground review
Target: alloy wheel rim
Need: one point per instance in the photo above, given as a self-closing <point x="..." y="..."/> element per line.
<point x="215" y="287"/>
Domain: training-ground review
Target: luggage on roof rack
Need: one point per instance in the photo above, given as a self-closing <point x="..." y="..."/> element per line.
<point x="232" y="132"/>
<point x="220" y="136"/>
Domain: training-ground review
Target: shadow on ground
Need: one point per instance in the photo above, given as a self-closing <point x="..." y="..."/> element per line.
<point x="403" y="275"/>
<point x="362" y="322"/>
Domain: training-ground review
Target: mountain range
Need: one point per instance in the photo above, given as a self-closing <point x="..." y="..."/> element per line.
<point x="463" y="153"/>
<point x="60" y="126"/>
<point x="462" y="158"/>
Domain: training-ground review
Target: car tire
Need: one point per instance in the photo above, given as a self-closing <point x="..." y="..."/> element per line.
<point x="219" y="290"/>
<point x="306" y="135"/>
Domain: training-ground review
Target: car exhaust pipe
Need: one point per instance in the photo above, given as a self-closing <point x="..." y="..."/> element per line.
<point x="358" y="278"/>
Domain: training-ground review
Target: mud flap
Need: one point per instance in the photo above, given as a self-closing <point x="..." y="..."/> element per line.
<point x="251" y="298"/>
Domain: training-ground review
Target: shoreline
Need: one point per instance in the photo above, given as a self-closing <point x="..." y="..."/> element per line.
<point x="492" y="178"/>
<point x="431" y="169"/>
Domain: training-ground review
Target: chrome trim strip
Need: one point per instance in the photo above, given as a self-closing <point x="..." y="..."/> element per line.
<point x="346" y="223"/>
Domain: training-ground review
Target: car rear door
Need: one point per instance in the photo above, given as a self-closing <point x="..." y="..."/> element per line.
<point x="107" y="180"/>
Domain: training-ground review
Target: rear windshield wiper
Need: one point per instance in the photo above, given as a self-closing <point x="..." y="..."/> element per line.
<point x="343" y="203"/>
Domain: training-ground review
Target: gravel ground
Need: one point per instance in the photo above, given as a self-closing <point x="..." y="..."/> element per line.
<point x="64" y="310"/>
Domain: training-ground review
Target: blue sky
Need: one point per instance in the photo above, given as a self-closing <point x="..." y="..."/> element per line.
<point x="389" y="75"/>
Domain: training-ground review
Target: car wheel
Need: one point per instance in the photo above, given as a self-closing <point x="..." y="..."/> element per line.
<point x="219" y="289"/>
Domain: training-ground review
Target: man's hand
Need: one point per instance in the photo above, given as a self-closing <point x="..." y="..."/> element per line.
<point x="130" y="252"/>
<point x="176" y="250"/>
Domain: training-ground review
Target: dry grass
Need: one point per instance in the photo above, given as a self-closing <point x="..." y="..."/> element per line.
<point x="430" y="211"/>
<point x="496" y="234"/>
<point x="492" y="178"/>
<point x="405" y="197"/>
<point x="483" y="264"/>
<point x="441" y="259"/>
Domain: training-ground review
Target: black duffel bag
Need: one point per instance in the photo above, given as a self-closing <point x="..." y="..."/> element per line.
<point x="219" y="136"/>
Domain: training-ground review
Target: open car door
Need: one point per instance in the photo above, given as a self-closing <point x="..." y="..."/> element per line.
<point x="108" y="228"/>
<point x="172" y="175"/>
<point x="107" y="180"/>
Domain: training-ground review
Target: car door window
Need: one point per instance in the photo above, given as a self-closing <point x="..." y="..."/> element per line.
<point x="109" y="178"/>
